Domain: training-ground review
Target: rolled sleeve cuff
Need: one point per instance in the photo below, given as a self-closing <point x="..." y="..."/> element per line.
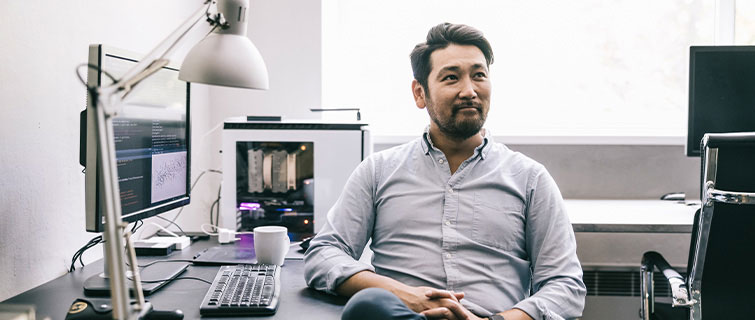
<point x="341" y="270"/>
<point x="537" y="310"/>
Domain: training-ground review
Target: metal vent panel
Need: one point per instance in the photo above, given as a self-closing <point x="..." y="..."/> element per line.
<point x="622" y="283"/>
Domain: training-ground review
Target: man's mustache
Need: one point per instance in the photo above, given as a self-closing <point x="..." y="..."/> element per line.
<point x="460" y="106"/>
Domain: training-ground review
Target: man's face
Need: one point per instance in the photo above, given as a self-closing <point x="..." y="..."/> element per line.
<point x="458" y="91"/>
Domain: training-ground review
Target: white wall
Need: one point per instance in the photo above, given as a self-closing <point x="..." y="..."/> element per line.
<point x="42" y="187"/>
<point x="287" y="34"/>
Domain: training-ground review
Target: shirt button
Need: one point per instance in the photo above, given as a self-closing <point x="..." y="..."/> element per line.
<point x="448" y="223"/>
<point x="440" y="161"/>
<point x="448" y="255"/>
<point x="451" y="190"/>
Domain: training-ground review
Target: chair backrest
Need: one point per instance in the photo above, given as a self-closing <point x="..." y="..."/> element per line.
<point x="724" y="239"/>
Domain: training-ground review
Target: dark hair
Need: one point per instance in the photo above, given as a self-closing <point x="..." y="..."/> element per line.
<point x="439" y="37"/>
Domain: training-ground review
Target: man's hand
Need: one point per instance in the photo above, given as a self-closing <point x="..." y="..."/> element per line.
<point x="449" y="306"/>
<point x="452" y="309"/>
<point x="418" y="299"/>
<point x="424" y="298"/>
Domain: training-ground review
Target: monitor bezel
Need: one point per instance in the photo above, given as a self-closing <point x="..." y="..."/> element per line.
<point x="93" y="183"/>
<point x="692" y="148"/>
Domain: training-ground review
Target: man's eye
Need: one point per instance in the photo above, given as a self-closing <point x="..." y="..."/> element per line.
<point x="449" y="77"/>
<point x="480" y="75"/>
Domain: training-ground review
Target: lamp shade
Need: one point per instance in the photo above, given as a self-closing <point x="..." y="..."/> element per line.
<point x="229" y="60"/>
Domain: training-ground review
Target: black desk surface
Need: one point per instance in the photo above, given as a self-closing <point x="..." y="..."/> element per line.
<point x="53" y="299"/>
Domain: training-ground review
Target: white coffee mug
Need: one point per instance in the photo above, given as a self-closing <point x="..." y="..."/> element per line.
<point x="271" y="244"/>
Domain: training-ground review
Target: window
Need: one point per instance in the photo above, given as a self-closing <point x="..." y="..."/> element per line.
<point x="562" y="68"/>
<point x="744" y="23"/>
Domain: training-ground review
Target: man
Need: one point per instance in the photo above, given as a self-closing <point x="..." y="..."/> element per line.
<point x="461" y="226"/>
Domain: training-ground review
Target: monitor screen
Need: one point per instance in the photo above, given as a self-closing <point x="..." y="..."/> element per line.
<point x="151" y="141"/>
<point x="721" y="92"/>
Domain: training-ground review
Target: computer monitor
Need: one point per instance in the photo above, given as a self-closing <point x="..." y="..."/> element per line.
<point x="721" y="92"/>
<point x="152" y="151"/>
<point x="151" y="140"/>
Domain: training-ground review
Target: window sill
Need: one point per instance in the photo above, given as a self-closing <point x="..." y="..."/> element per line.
<point x="560" y="140"/>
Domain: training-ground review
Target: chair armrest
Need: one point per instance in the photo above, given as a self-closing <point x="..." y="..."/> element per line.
<point x="651" y="260"/>
<point x="716" y="140"/>
<point x="722" y="196"/>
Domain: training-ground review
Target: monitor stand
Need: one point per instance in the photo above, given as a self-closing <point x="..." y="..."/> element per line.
<point x="99" y="284"/>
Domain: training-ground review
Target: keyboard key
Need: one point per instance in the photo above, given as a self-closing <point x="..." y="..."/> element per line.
<point x="243" y="290"/>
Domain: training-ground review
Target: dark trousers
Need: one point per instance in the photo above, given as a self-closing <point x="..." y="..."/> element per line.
<point x="377" y="304"/>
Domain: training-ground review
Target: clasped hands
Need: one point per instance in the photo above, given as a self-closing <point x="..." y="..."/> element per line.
<point x="437" y="304"/>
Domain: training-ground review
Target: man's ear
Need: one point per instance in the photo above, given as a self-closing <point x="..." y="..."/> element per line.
<point x="419" y="94"/>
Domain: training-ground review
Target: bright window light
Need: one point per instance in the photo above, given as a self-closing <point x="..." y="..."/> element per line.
<point x="562" y="68"/>
<point x="744" y="22"/>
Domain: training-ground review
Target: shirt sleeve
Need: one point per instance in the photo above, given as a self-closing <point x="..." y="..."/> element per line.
<point x="558" y="290"/>
<point x="333" y="254"/>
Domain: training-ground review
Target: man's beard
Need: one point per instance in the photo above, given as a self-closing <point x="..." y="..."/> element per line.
<point x="459" y="129"/>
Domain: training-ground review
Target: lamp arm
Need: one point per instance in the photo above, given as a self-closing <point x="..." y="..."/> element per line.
<point x="108" y="103"/>
<point x="113" y="236"/>
<point x="156" y="59"/>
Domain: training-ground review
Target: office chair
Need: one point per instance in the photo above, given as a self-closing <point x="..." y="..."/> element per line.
<point x="722" y="250"/>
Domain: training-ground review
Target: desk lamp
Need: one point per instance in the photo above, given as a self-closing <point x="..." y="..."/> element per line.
<point x="225" y="57"/>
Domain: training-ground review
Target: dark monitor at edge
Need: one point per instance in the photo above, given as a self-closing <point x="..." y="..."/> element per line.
<point x="151" y="141"/>
<point x="721" y="92"/>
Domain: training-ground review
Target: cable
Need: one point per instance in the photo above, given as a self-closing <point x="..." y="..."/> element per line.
<point x="224" y="235"/>
<point x="95" y="67"/>
<point x="77" y="256"/>
<point x="196" y="181"/>
<point x="93" y="89"/>
<point x="173" y="223"/>
<point x="93" y="242"/>
<point x="161" y="261"/>
<point x="193" y="278"/>
<point x="208" y="133"/>
<point x="176" y="278"/>
<point x="200" y="176"/>
<point x="166" y="260"/>
<point x="217" y="210"/>
<point x="212" y="207"/>
<point x="192" y="189"/>
<point x="208" y="232"/>
<point x="195" y="184"/>
<point x="136" y="225"/>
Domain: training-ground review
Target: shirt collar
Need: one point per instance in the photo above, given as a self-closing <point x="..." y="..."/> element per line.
<point x="427" y="145"/>
<point x="482" y="149"/>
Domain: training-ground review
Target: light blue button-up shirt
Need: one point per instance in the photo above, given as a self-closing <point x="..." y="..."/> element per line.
<point x="495" y="229"/>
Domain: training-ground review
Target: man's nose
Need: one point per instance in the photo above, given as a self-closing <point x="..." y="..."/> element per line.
<point x="468" y="90"/>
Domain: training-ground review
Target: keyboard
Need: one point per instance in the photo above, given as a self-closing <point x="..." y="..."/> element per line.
<point x="243" y="290"/>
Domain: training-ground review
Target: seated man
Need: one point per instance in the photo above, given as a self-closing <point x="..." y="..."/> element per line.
<point x="461" y="226"/>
